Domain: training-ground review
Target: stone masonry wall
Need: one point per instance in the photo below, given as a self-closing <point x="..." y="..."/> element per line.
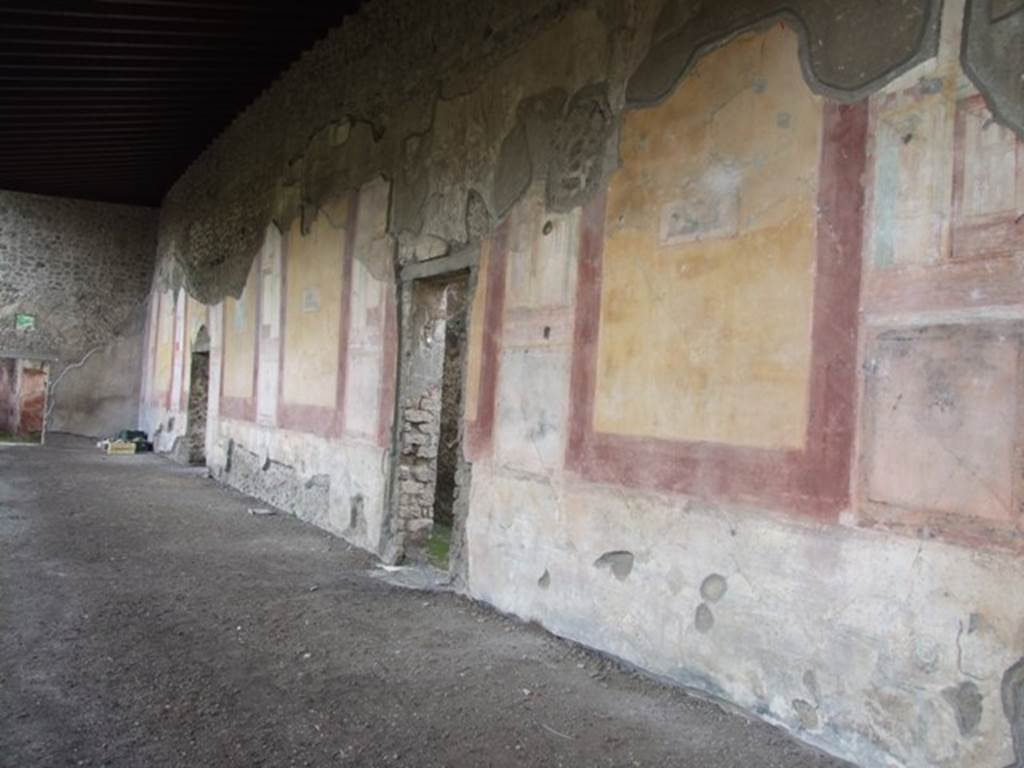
<point x="83" y="270"/>
<point x="80" y="267"/>
<point x="198" y="391"/>
<point x="429" y="447"/>
<point x="417" y="466"/>
<point x="419" y="425"/>
<point x="449" y="449"/>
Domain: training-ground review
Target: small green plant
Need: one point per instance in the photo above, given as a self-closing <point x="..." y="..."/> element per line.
<point x="438" y="545"/>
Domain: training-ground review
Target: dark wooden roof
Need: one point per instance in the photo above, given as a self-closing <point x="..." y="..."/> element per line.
<point x="111" y="99"/>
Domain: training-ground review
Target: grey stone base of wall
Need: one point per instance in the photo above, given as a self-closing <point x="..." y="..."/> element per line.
<point x="276" y="484"/>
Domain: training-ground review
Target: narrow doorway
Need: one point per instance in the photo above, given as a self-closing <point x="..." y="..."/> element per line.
<point x="431" y="460"/>
<point x="198" y="396"/>
<point x="23" y="385"/>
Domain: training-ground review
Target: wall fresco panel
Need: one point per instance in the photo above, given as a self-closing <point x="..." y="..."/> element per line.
<point x="942" y="420"/>
<point x="313" y="286"/>
<point x="164" y="359"/>
<point x="709" y="254"/>
<point x="240" y="339"/>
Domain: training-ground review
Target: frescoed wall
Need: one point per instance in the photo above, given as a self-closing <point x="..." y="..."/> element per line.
<point x="239" y="348"/>
<point x="370" y="367"/>
<point x="475" y="342"/>
<point x="534" y="333"/>
<point x="300" y="410"/>
<point x="707" y="273"/>
<point x="943" y="309"/>
<point x="482" y="348"/>
<point x="780" y="354"/>
<point x="714" y="323"/>
<point x="173" y="321"/>
<point x="314" y="281"/>
<point x="743" y="392"/>
<point x="163" y="359"/>
<point x="268" y="375"/>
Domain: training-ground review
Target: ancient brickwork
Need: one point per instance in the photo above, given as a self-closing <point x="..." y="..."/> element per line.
<point x="449" y="450"/>
<point x="417" y="466"/>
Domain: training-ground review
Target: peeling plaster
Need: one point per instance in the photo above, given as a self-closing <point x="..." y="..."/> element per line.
<point x="522" y="91"/>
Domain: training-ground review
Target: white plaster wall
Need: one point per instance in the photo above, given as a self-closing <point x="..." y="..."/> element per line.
<point x="178" y="362"/>
<point x="884" y="623"/>
<point x="216" y="356"/>
<point x="155" y="418"/>
<point x="353" y="466"/>
<point x="269" y="374"/>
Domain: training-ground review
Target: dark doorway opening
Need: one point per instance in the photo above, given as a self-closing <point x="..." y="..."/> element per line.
<point x="198" y="397"/>
<point x="449" y="448"/>
<point x="23" y="385"/>
<point x="430" y="476"/>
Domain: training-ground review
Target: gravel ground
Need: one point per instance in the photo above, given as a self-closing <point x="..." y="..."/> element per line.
<point x="146" y="619"/>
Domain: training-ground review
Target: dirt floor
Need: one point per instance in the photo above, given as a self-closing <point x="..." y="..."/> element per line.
<point x="147" y="619"/>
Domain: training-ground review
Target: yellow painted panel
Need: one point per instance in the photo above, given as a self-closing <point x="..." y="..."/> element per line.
<point x="475" y="343"/>
<point x="313" y="283"/>
<point x="707" y="278"/>
<point x="240" y="339"/>
<point x="164" y="343"/>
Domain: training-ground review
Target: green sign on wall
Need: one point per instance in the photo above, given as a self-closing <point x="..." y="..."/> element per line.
<point x="24" y="322"/>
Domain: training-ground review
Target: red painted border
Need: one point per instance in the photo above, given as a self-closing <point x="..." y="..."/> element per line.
<point x="480" y="431"/>
<point x="992" y="235"/>
<point x="814" y="481"/>
<point x="317" y="419"/>
<point x="243" y="408"/>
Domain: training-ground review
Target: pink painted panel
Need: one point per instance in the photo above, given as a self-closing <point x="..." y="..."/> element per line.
<point x="942" y="432"/>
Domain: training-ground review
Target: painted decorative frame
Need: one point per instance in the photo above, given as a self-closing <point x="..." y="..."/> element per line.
<point x="316" y="419"/>
<point x="480" y="429"/>
<point x="814" y="480"/>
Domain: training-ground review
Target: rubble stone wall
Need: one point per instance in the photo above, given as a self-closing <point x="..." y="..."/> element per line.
<point x="83" y="271"/>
